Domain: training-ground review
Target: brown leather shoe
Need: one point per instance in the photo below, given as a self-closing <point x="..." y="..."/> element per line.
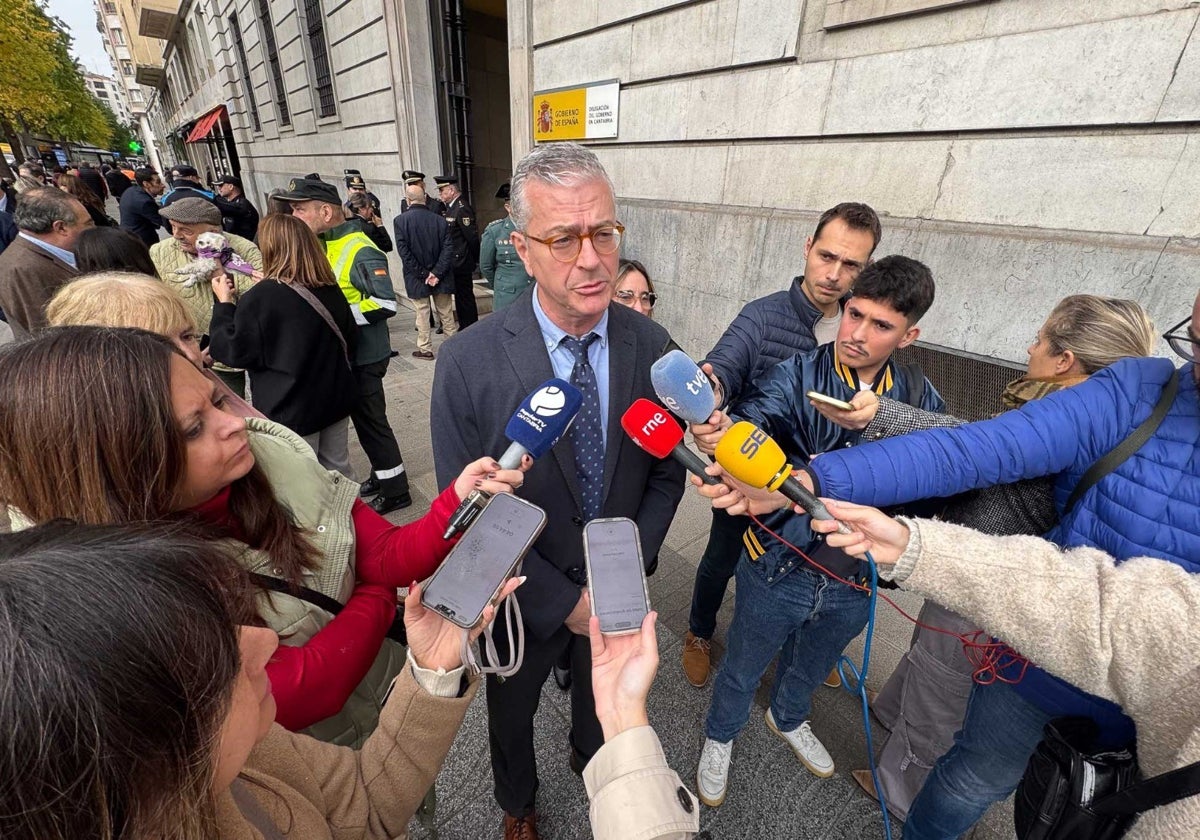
<point x="521" y="828"/>
<point x="696" y="659"/>
<point x="863" y="777"/>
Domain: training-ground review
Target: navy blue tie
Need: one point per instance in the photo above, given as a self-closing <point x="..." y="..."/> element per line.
<point x="587" y="433"/>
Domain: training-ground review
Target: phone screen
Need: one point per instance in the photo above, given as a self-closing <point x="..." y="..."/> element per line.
<point x="616" y="574"/>
<point x="483" y="559"/>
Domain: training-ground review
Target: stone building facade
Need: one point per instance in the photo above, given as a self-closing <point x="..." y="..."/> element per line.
<point x="135" y="59"/>
<point x="301" y="86"/>
<point x="1024" y="149"/>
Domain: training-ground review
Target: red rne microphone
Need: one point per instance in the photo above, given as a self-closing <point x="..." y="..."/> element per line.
<point x="656" y="431"/>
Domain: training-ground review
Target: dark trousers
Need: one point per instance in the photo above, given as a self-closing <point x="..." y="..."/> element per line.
<point x="716" y="568"/>
<point x="512" y="704"/>
<point x="374" y="433"/>
<point x="235" y="379"/>
<point x="464" y="298"/>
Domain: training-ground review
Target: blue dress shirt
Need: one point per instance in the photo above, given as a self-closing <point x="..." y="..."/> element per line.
<point x="563" y="362"/>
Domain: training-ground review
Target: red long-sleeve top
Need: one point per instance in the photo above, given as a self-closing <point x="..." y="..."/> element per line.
<point x="313" y="681"/>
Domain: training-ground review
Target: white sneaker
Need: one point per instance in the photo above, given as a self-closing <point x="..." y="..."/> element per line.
<point x="712" y="776"/>
<point x="804" y="744"/>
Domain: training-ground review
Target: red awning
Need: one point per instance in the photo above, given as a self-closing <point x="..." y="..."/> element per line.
<point x="204" y="125"/>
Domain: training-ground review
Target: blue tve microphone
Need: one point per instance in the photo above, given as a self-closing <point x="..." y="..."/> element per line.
<point x="683" y="387"/>
<point x="539" y="421"/>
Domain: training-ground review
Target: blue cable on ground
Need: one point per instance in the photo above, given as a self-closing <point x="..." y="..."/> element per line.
<point x="860" y="677"/>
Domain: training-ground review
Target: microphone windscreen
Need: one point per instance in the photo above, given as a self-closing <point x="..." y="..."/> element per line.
<point x="683" y="387"/>
<point x="544" y="416"/>
<point x="749" y="454"/>
<point x="652" y="428"/>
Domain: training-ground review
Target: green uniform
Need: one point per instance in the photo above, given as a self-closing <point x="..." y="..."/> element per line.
<point x="500" y="265"/>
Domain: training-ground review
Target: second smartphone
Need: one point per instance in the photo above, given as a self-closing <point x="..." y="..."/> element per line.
<point x="484" y="558"/>
<point x="616" y="574"/>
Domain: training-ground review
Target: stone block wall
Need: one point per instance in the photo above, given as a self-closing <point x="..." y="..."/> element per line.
<point x="1024" y="149"/>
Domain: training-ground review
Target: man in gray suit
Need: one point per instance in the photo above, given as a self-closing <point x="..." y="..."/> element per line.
<point x="568" y="237"/>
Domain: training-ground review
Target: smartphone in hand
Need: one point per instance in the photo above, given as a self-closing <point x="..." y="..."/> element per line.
<point x="833" y="401"/>
<point x="616" y="574"/>
<point x="483" y="559"/>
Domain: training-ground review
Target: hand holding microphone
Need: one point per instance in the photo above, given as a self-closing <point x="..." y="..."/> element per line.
<point x="539" y="421"/>
<point x="749" y="454"/>
<point x="655" y="431"/>
<point x="687" y="390"/>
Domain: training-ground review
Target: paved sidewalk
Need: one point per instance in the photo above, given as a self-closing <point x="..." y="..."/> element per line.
<point x="771" y="795"/>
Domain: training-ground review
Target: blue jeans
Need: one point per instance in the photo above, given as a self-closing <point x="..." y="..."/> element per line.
<point x="1000" y="731"/>
<point x="806" y="615"/>
<point x="717" y="566"/>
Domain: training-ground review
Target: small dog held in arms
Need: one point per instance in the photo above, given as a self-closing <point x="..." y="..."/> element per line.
<point x="212" y="250"/>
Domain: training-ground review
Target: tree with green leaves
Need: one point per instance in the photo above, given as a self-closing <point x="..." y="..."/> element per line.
<point x="43" y="88"/>
<point x="122" y="134"/>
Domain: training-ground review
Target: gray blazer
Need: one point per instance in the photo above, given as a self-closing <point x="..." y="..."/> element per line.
<point x="482" y="375"/>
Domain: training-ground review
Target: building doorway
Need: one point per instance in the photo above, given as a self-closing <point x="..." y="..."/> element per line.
<point x="471" y="63"/>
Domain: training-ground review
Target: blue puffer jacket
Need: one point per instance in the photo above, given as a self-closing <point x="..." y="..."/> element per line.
<point x="777" y="404"/>
<point x="1149" y="506"/>
<point x="764" y="333"/>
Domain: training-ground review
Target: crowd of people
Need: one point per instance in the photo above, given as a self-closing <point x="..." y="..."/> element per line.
<point x="219" y="651"/>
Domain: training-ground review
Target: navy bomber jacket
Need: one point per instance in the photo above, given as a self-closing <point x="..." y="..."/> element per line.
<point x="777" y="404"/>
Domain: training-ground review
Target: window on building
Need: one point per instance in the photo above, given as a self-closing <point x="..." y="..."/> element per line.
<point x="110" y="8"/>
<point x="135" y="95"/>
<point x="102" y="93"/>
<point x="118" y="37"/>
<point x="314" y="28"/>
<point x="126" y="67"/>
<point x="268" y="42"/>
<point x="244" y="66"/>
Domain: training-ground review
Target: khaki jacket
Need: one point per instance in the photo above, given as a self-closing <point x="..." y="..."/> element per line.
<point x="315" y="791"/>
<point x="320" y="500"/>
<point x="634" y="794"/>
<point x="169" y="256"/>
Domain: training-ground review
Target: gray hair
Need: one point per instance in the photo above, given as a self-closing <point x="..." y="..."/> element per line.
<point x="415" y="194"/>
<point x="38" y="209"/>
<point x="556" y="164"/>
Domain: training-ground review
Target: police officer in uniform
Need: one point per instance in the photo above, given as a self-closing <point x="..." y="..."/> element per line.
<point x="465" y="236"/>
<point x="498" y="260"/>
<point x="356" y="184"/>
<point x="414" y="178"/>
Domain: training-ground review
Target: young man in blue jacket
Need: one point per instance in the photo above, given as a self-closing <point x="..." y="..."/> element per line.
<point x="767" y="331"/>
<point x="1149" y="506"/>
<point x="783" y="605"/>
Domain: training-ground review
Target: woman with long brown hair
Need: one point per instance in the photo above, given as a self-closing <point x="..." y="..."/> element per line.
<point x="74" y="186"/>
<point x="293" y="332"/>
<point x="136" y="702"/>
<point x="115" y="426"/>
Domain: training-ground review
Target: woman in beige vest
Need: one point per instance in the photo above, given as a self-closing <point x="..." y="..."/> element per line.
<point x="107" y="426"/>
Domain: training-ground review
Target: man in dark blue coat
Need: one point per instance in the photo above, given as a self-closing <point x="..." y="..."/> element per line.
<point x="139" y="210"/>
<point x="782" y="603"/>
<point x="765" y="332"/>
<point x="426" y="249"/>
<point x="569" y="237"/>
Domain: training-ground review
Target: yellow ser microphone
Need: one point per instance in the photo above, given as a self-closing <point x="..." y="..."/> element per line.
<point x="751" y="456"/>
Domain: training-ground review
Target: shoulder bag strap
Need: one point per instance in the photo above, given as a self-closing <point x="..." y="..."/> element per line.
<point x="916" y="384"/>
<point x="312" y="301"/>
<point x="396" y="632"/>
<point x="1121" y="452"/>
<point x="1152" y="793"/>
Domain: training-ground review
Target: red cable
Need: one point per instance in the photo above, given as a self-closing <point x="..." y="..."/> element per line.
<point x="989" y="658"/>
